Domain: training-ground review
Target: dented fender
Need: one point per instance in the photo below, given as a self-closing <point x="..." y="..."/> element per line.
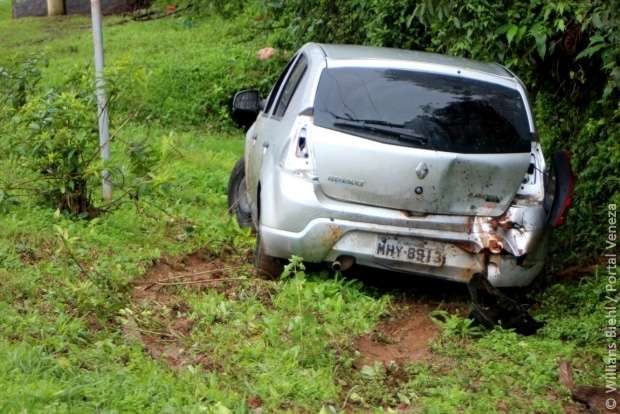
<point x="518" y="231"/>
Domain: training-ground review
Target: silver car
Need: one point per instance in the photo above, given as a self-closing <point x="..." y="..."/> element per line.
<point x="400" y="160"/>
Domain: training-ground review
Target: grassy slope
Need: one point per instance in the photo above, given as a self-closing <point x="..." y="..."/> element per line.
<point x="292" y="352"/>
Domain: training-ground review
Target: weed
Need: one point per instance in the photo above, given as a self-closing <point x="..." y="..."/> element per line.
<point x="454" y="325"/>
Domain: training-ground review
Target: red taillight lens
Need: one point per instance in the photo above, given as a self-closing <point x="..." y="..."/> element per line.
<point x="566" y="205"/>
<point x="565" y="185"/>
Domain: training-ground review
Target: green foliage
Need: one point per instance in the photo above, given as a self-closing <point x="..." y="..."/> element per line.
<point x="52" y="358"/>
<point x="187" y="86"/>
<point x="143" y="157"/>
<point x="453" y="325"/>
<point x="17" y="84"/>
<point x="58" y="139"/>
<point x="526" y="36"/>
<point x="151" y="73"/>
<point x="592" y="135"/>
<point x="200" y="89"/>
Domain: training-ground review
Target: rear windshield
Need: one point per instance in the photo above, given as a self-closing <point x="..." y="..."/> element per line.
<point x="424" y="110"/>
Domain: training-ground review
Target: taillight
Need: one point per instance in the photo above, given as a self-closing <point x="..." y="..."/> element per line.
<point x="297" y="155"/>
<point x="301" y="147"/>
<point x="564" y="187"/>
<point x="567" y="203"/>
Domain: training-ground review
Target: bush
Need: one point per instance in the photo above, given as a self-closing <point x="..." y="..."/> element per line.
<point x="17" y="84"/>
<point x="58" y="140"/>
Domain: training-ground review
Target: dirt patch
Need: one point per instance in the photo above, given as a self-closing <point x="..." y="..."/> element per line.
<point x="406" y="337"/>
<point x="165" y="333"/>
<point x="197" y="271"/>
<point x="403" y="339"/>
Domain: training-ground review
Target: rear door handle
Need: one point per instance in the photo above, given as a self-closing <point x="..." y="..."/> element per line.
<point x="265" y="145"/>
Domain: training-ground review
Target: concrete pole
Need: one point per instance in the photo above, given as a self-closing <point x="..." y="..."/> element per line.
<point x="102" y="100"/>
<point x="55" y="7"/>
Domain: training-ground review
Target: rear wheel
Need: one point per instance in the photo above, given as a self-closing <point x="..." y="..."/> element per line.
<point x="266" y="265"/>
<point x="238" y="203"/>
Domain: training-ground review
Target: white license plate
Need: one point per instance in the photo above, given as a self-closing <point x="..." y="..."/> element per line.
<point x="409" y="250"/>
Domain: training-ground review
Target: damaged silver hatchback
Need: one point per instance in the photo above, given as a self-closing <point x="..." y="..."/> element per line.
<point x="400" y="160"/>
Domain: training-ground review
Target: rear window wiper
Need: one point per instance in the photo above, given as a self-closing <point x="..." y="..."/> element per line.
<point x="398" y="131"/>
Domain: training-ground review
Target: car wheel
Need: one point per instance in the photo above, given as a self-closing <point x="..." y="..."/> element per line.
<point x="238" y="203"/>
<point x="266" y="265"/>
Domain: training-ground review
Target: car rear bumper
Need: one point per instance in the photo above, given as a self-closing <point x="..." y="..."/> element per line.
<point x="299" y="220"/>
<point x="325" y="240"/>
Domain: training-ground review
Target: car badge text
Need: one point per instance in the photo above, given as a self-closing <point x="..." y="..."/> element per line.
<point x="349" y="181"/>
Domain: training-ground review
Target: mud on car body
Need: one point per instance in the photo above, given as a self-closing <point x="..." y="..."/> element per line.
<point x="399" y="160"/>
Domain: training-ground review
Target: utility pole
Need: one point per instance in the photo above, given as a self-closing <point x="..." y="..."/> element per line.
<point x="102" y="100"/>
<point x="55" y="7"/>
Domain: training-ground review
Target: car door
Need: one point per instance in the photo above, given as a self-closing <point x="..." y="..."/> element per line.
<point x="255" y="144"/>
<point x="285" y="109"/>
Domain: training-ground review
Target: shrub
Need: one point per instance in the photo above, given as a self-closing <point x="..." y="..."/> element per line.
<point x="59" y="142"/>
<point x="17" y="84"/>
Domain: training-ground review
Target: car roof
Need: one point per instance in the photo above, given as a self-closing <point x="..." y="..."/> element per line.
<point x="368" y="53"/>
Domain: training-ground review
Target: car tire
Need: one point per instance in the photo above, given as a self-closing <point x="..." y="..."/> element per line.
<point x="238" y="203"/>
<point x="266" y="266"/>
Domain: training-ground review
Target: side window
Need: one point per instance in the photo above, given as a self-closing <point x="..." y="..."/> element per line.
<point x="290" y="86"/>
<point x="276" y="86"/>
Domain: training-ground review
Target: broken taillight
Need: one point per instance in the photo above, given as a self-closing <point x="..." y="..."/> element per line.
<point x="564" y="187"/>
<point x="301" y="146"/>
<point x="297" y="155"/>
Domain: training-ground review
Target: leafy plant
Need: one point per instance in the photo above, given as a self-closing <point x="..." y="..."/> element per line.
<point x="17" y="83"/>
<point x="454" y="325"/>
<point x="143" y="157"/>
<point x="58" y="140"/>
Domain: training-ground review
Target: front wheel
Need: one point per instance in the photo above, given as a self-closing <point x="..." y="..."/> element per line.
<point x="238" y="203"/>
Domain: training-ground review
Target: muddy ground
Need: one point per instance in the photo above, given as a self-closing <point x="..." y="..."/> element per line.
<point x="405" y="336"/>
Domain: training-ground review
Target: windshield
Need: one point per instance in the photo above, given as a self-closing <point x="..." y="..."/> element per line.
<point x="424" y="110"/>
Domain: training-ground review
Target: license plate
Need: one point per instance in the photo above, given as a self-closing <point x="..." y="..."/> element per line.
<point x="410" y="250"/>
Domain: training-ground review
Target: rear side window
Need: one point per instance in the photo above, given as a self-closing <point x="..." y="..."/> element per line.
<point x="291" y="85"/>
<point x="424" y="110"/>
<point x="276" y="86"/>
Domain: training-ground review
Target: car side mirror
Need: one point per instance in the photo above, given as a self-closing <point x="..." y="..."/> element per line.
<point x="245" y="107"/>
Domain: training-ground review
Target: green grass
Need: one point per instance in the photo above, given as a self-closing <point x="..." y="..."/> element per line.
<point x="288" y="342"/>
<point x="177" y="70"/>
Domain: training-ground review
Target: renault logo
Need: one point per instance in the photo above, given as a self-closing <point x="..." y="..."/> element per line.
<point x="421" y="170"/>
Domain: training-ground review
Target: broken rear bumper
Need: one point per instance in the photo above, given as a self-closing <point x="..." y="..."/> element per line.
<point x="302" y="221"/>
<point x="324" y="240"/>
